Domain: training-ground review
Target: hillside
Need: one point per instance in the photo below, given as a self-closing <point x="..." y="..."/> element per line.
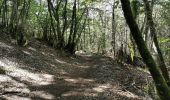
<point x="38" y="72"/>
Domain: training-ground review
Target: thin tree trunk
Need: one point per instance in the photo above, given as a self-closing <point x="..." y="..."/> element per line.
<point x="113" y="43"/>
<point x="154" y="36"/>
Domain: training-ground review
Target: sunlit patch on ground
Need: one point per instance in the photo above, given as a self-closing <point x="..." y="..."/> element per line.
<point x="33" y="49"/>
<point x="63" y="72"/>
<point x="78" y="65"/>
<point x="78" y="80"/>
<point x="3" y="45"/>
<point x="26" y="52"/>
<point x="60" y="61"/>
<point x="43" y="95"/>
<point x="105" y="90"/>
<point x="13" y="85"/>
<point x="127" y="94"/>
<point x="38" y="73"/>
<point x="15" y="97"/>
<point x="78" y="93"/>
<point x="9" y="87"/>
<point x="15" y="71"/>
<point x="83" y="66"/>
<point x="102" y="88"/>
<point x="16" y="81"/>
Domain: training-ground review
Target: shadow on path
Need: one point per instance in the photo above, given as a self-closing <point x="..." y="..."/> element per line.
<point x="38" y="72"/>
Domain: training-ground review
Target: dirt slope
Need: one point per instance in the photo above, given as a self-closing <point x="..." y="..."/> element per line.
<point x="38" y="72"/>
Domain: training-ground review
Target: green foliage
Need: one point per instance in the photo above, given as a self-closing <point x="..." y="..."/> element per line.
<point x="132" y="52"/>
<point x="164" y="40"/>
<point x="150" y="89"/>
<point x="165" y="11"/>
<point x="135" y="7"/>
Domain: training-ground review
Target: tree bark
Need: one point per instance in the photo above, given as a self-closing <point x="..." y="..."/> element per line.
<point x="113" y="43"/>
<point x="161" y="85"/>
<point x="154" y="37"/>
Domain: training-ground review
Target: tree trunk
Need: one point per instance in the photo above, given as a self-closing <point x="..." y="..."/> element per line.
<point x="154" y="36"/>
<point x="113" y="43"/>
<point x="161" y="85"/>
<point x="135" y="8"/>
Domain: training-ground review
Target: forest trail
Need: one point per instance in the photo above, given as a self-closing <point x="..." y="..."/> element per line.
<point x="38" y="72"/>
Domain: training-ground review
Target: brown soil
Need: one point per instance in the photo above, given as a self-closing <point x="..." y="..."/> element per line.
<point x="38" y="72"/>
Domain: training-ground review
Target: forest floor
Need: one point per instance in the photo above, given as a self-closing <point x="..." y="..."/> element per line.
<point x="38" y="72"/>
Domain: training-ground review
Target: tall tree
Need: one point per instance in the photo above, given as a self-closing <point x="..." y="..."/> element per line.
<point x="161" y="85"/>
<point x="154" y="37"/>
<point x="113" y="43"/>
<point x="135" y="11"/>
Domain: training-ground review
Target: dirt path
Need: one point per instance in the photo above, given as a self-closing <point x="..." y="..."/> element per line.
<point x="38" y="72"/>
